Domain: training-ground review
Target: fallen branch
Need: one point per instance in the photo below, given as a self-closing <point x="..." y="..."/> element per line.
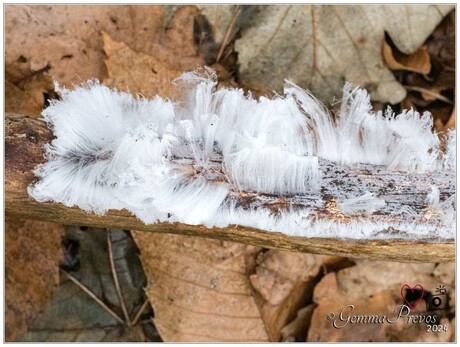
<point x="24" y="141"/>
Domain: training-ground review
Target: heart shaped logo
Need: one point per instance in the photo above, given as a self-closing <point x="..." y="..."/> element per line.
<point x="413" y="296"/>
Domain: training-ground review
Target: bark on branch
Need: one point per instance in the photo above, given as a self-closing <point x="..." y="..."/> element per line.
<point x="24" y="141"/>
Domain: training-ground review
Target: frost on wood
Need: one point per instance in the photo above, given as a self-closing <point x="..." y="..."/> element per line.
<point x="219" y="157"/>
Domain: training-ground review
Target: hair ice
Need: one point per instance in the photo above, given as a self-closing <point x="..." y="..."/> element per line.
<point x="114" y="151"/>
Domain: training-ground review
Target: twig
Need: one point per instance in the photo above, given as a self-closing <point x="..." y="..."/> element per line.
<point x="139" y="313"/>
<point x="429" y="92"/>
<point x="94" y="297"/>
<point x="228" y="33"/>
<point x="115" y="280"/>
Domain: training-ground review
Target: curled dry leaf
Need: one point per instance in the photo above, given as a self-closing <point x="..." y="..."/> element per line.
<point x="32" y="256"/>
<point x="419" y="61"/>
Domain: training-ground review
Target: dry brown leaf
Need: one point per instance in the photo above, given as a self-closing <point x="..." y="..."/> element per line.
<point x="319" y="47"/>
<point x="441" y="109"/>
<point x="200" y="289"/>
<point x="72" y="42"/>
<point x="32" y="256"/>
<point x="25" y="89"/>
<point x="283" y="282"/>
<point x="136" y="72"/>
<point x="419" y="61"/>
<point x="72" y="45"/>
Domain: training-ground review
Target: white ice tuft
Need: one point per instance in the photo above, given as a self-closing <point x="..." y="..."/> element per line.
<point x="358" y="135"/>
<point x="113" y="151"/>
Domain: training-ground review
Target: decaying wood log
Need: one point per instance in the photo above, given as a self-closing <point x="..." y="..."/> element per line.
<point x="24" y="141"/>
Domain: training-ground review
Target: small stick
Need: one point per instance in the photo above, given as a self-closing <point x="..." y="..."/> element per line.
<point x="230" y="27"/>
<point x="429" y="92"/>
<point x="94" y="297"/>
<point x="139" y="313"/>
<point x="115" y="280"/>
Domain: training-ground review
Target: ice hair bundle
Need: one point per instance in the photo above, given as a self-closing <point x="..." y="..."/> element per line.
<point x="185" y="160"/>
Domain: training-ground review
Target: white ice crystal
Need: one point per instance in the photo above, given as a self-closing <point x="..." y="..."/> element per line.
<point x="366" y="203"/>
<point x="113" y="151"/>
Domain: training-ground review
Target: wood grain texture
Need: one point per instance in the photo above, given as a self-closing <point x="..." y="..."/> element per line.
<point x="24" y="141"/>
